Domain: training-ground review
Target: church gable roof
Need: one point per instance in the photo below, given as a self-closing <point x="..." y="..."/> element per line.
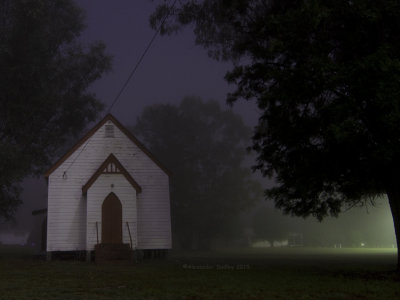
<point x="91" y="132"/>
<point x="111" y="166"/>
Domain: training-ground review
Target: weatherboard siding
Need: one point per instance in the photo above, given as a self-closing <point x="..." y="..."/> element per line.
<point x="67" y="208"/>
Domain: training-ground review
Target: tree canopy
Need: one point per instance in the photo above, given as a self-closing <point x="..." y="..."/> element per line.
<point x="204" y="148"/>
<point x="326" y="76"/>
<point x="44" y="80"/>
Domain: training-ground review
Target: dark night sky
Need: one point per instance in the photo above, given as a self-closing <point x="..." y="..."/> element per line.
<point x="173" y="68"/>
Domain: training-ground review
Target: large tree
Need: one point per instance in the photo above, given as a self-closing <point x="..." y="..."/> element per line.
<point x="326" y="76"/>
<point x="44" y="79"/>
<point x="204" y="148"/>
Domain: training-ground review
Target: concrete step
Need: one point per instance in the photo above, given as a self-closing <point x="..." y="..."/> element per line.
<point x="113" y="252"/>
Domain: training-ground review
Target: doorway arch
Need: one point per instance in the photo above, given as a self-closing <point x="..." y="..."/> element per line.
<point x="111" y="220"/>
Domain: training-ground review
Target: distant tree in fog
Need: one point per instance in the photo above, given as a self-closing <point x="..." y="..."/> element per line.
<point x="269" y="224"/>
<point x="204" y="147"/>
<point x="44" y="80"/>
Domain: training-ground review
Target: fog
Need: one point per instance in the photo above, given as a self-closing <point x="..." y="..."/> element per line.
<point x="174" y="68"/>
<point x="358" y="227"/>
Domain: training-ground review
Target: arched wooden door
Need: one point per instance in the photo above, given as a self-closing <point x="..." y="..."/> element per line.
<point x="111" y="220"/>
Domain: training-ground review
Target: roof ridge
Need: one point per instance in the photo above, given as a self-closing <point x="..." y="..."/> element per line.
<point x="91" y="132"/>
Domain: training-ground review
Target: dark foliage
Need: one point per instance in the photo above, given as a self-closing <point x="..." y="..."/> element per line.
<point x="326" y="76"/>
<point x="44" y="80"/>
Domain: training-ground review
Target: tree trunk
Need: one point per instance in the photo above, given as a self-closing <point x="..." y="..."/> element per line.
<point x="393" y="193"/>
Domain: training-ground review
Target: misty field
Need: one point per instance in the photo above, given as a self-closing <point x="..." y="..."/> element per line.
<point x="281" y="273"/>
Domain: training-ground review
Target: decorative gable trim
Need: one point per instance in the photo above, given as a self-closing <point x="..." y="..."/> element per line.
<point x="108" y="117"/>
<point x="111" y="166"/>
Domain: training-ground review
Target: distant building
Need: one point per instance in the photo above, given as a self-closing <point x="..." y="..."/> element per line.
<point x="13" y="237"/>
<point x="108" y="190"/>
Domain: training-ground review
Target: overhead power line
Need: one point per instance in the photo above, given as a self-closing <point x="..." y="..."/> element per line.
<point x="129" y="77"/>
<point x="141" y="57"/>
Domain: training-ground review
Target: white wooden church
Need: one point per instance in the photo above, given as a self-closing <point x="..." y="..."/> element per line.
<point x="108" y="189"/>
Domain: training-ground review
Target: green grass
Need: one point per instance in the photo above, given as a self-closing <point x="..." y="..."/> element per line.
<point x="281" y="273"/>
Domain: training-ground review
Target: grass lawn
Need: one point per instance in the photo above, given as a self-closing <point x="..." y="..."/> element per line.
<point x="281" y="273"/>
